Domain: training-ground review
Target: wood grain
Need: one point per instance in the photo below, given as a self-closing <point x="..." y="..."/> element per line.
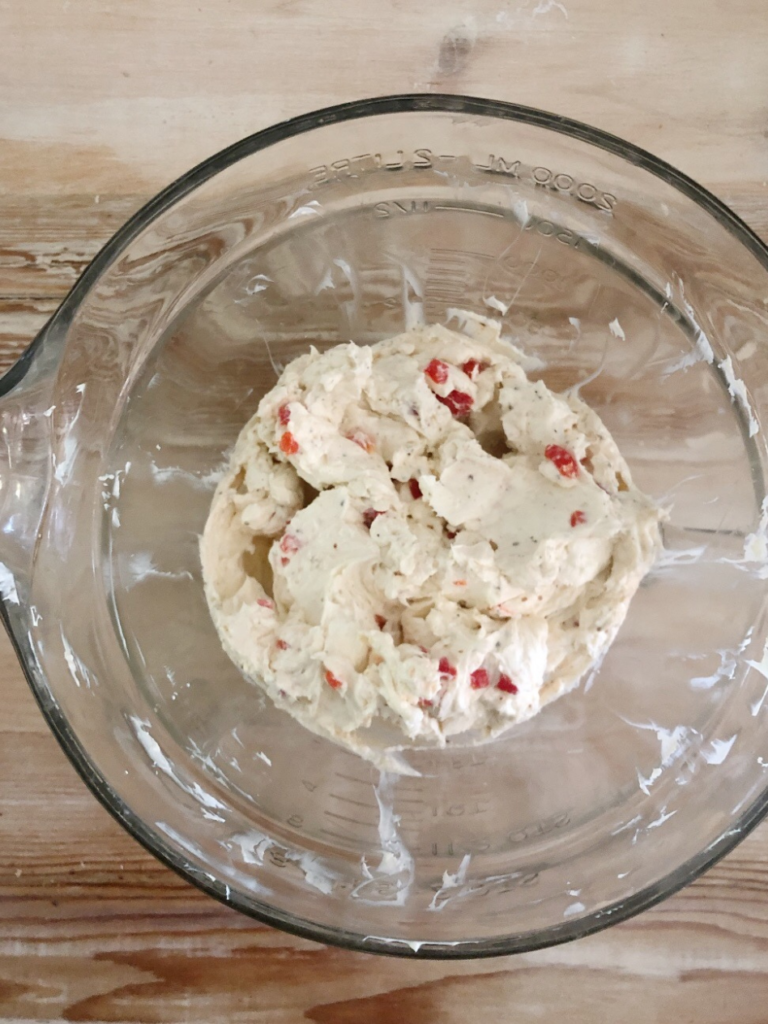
<point x="101" y="104"/>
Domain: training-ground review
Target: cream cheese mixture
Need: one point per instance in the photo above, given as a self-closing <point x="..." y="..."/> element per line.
<point x="414" y="541"/>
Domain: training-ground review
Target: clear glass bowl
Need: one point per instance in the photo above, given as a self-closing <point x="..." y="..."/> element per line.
<point x="620" y="274"/>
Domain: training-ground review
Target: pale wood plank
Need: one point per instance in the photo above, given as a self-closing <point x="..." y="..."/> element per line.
<point x="121" y="98"/>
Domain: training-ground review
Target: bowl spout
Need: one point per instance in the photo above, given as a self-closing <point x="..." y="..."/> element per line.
<point x="26" y="410"/>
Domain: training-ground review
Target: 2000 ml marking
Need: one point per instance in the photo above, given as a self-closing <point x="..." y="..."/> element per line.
<point x="423" y="159"/>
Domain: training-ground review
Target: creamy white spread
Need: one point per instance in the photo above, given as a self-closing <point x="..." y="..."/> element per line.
<point x="414" y="541"/>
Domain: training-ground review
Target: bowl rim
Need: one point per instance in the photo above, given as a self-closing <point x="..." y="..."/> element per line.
<point x="62" y="730"/>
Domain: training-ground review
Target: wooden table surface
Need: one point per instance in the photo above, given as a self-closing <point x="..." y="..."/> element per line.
<point x="102" y="102"/>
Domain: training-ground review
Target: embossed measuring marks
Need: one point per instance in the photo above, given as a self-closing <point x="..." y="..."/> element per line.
<point x="538" y="175"/>
<point x="392" y="827"/>
<point x="455" y="276"/>
<point x="352" y="815"/>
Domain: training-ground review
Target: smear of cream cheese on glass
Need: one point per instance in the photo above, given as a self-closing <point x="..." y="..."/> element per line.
<point x="414" y="541"/>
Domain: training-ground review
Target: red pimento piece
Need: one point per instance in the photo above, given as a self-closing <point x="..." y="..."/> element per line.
<point x="264" y="602"/>
<point x="282" y="645"/>
<point x="369" y="516"/>
<point x="333" y="681"/>
<point x="458" y="402"/>
<point x="362" y="440"/>
<point x="437" y="371"/>
<point x="284" y="414"/>
<point x="478" y="679"/>
<point x="562" y="459"/>
<point x="446" y="668"/>
<point x="288" y="444"/>
<point x="472" y="367"/>
<point x="380" y="621"/>
<point x="578" y="518"/>
<point x="450" y="534"/>
<point x="505" y="684"/>
<point x="415" y="489"/>
<point x="459" y="583"/>
<point x="425" y="702"/>
<point x="289" y="545"/>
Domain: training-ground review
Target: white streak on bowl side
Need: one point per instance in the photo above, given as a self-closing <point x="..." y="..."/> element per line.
<point x="717" y="750"/>
<point x="738" y="392"/>
<point x="8" y="585"/>
<point x="616" y="329"/>
<point x="574" y="908"/>
<point x="451" y="881"/>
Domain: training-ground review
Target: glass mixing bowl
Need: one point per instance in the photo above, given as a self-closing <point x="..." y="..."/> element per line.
<point x="626" y="279"/>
